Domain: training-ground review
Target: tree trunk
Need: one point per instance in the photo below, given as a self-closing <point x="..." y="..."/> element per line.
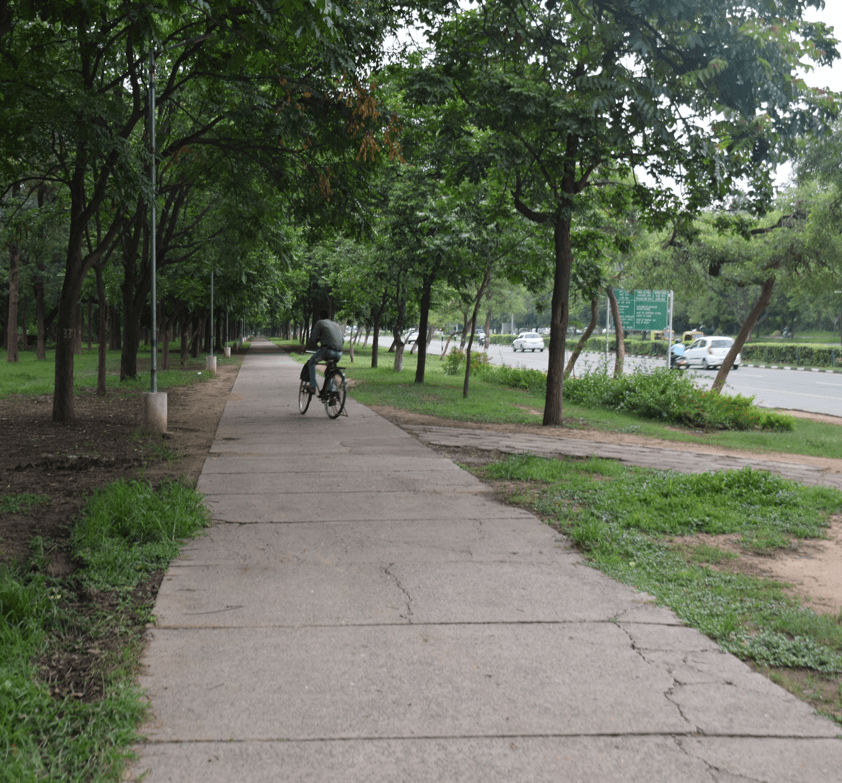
<point x="728" y="362"/>
<point x="41" y="339"/>
<point x="620" y="358"/>
<point x="198" y="327"/>
<point x="90" y="322"/>
<point x="584" y="338"/>
<point x="485" y="279"/>
<point x="559" y="318"/>
<point x="375" y="337"/>
<point x="80" y="325"/>
<point x="420" y="340"/>
<point x="447" y="344"/>
<point x="131" y="332"/>
<point x="185" y="336"/>
<point x="165" y="322"/>
<point x="103" y="325"/>
<point x="24" y="339"/>
<point x="14" y="286"/>
<point x="464" y="337"/>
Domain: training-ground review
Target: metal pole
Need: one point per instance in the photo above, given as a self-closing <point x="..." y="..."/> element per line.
<point x="212" y="330"/>
<point x="669" y="341"/>
<point x="154" y="294"/>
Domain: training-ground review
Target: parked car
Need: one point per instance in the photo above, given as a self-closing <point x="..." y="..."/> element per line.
<point x="411" y="337"/>
<point x="528" y="341"/>
<point x="708" y="352"/>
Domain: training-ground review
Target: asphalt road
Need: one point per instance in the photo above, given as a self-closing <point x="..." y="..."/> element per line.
<point x="815" y="392"/>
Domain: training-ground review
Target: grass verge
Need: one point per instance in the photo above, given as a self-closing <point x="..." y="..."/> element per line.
<point x="49" y="729"/>
<point x="638" y="526"/>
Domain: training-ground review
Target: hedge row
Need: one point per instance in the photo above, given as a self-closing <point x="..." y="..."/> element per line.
<point x="793" y="354"/>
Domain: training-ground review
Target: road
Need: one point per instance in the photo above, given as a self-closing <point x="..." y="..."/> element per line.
<point x="814" y="392"/>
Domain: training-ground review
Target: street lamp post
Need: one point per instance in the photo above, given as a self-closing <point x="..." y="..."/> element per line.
<point x="155" y="402"/>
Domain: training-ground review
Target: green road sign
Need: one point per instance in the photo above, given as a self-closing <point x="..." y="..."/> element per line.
<point x="643" y="310"/>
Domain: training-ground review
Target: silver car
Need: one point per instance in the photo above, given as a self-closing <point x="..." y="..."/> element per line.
<point x="708" y="352"/>
<point x="528" y="341"/>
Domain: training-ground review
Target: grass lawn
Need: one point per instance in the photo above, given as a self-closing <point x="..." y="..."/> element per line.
<point x="33" y="376"/>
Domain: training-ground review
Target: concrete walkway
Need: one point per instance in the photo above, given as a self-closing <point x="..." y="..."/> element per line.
<point x="363" y="610"/>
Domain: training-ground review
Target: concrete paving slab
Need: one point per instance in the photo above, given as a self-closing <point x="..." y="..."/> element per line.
<point x="392" y="681"/>
<point x="468" y="760"/>
<point x="280" y="460"/>
<point x="345" y="483"/>
<point x="337" y="543"/>
<point x="779" y="760"/>
<point x="287" y="594"/>
<point x="420" y="631"/>
<point x="335" y="449"/>
<point x="354" y="507"/>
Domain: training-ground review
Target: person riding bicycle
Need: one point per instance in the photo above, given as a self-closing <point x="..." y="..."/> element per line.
<point x="328" y="334"/>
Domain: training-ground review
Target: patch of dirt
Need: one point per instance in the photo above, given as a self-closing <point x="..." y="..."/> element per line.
<point x="68" y="462"/>
<point x="813" y="567"/>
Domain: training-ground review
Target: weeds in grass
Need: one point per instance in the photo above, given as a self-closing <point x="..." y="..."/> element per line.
<point x="21" y="502"/>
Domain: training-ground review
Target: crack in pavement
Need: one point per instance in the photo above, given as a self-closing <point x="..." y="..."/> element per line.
<point x="408" y="597"/>
<point x="668" y="694"/>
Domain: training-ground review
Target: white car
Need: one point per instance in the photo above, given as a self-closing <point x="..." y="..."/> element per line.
<point x="528" y="341"/>
<point x="411" y="337"/>
<point x="708" y="352"/>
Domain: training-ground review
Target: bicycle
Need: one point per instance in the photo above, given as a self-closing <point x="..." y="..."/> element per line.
<point x="332" y="394"/>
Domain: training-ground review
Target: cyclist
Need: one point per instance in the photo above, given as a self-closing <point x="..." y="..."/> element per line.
<point x="328" y="335"/>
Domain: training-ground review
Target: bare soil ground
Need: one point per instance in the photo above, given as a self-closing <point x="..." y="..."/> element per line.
<point x="68" y="462"/>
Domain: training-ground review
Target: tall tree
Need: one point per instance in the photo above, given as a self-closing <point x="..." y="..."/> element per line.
<point x="77" y="75"/>
<point x="702" y="93"/>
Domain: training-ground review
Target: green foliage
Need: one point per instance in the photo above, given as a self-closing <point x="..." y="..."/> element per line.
<point x="129" y="530"/>
<point x="671" y="397"/>
<point x="793" y="354"/>
<point x="533" y="381"/>
<point x="454" y="362"/>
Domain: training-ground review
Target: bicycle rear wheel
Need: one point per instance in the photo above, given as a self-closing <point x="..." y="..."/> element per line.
<point x="304" y="397"/>
<point x="336" y="387"/>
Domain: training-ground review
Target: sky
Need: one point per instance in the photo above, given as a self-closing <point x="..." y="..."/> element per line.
<point x="825" y="77"/>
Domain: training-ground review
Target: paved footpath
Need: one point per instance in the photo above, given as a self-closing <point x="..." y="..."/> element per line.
<point x="363" y="610"/>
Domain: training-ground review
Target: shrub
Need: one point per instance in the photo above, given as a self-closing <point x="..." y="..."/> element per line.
<point x="454" y="361"/>
<point x="672" y="397"/>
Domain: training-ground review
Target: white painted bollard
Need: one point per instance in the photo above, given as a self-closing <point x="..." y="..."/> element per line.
<point x="154" y="412"/>
<point x="211" y="364"/>
<point x="227" y="350"/>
